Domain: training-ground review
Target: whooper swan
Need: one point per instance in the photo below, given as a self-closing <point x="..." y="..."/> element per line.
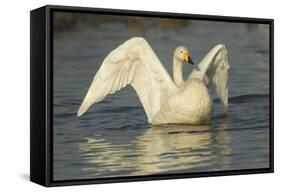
<point x="164" y="100"/>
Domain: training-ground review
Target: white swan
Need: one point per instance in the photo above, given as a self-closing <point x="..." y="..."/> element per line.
<point x="164" y="100"/>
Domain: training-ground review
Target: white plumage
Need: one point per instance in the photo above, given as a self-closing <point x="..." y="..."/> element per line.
<point x="164" y="101"/>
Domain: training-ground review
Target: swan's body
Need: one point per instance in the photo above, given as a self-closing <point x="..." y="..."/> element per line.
<point x="164" y="100"/>
<point x="193" y="105"/>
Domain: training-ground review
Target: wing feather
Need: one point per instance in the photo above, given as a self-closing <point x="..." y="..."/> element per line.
<point x="132" y="63"/>
<point x="213" y="70"/>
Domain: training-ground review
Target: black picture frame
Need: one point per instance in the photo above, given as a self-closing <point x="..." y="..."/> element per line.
<point x="41" y="94"/>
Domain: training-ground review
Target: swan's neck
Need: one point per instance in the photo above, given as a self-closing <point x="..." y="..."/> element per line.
<point x="177" y="72"/>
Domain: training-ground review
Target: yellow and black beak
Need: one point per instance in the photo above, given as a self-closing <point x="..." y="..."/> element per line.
<point x="187" y="58"/>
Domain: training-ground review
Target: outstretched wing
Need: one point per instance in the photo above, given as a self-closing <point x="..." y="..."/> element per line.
<point x="213" y="69"/>
<point x="135" y="63"/>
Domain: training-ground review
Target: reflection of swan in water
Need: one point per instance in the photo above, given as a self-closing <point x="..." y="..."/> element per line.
<point x="164" y="100"/>
<point x="159" y="149"/>
<point x="171" y="147"/>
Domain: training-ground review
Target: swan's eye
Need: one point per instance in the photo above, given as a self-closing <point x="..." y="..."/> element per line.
<point x="181" y="51"/>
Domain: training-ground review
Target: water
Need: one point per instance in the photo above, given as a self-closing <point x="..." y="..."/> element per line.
<point x="113" y="139"/>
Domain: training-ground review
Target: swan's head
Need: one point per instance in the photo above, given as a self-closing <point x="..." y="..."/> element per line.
<point x="181" y="53"/>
